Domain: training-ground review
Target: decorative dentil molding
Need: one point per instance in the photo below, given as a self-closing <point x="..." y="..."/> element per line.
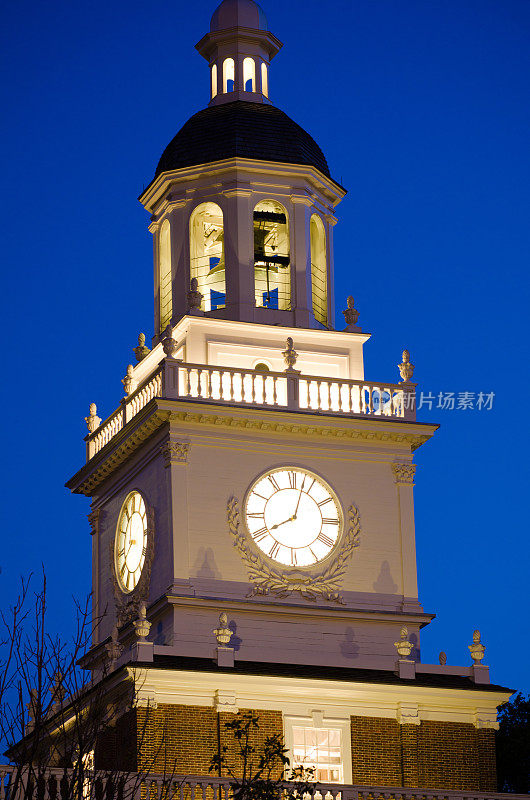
<point x="403" y="472"/>
<point x="486" y="719"/>
<point x="94" y="519"/>
<point x="268" y="579"/>
<point x="225" y="701"/>
<point x="408" y="714"/>
<point x="128" y="604"/>
<point x="175" y="452"/>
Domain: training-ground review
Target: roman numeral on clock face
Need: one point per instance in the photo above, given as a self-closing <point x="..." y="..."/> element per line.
<point x="274" y="482"/>
<point x="259" y="535"/>
<point x="273" y="552"/>
<point x="292" y="480"/>
<point x="323" y="502"/>
<point x="325" y="539"/>
<point x="329" y="521"/>
<point x="256" y="515"/>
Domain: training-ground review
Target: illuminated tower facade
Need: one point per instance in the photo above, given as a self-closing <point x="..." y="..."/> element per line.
<point x="252" y="489"/>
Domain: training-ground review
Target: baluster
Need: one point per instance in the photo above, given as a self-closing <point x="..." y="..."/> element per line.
<point x="253" y="379"/>
<point x="209" y="383"/>
<point x="274" y="391"/>
<point x="319" y="397"/>
<point x="188" y="381"/>
<point x="329" y="395"/>
<point x="231" y="385"/>
<point x="199" y="383"/>
<point x="370" y="400"/>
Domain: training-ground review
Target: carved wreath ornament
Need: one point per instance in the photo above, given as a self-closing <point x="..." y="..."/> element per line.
<point x="267" y="579"/>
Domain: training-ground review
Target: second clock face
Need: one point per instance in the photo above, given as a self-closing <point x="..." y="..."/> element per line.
<point x="293" y="516"/>
<point x="131" y="542"/>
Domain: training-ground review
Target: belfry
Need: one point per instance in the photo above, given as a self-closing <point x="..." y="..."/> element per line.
<point x="252" y="516"/>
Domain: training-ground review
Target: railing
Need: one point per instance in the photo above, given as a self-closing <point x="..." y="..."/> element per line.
<point x="57" y="784"/>
<point x="287" y="390"/>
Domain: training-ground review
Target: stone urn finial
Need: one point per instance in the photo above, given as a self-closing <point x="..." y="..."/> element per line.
<point x="290" y="355"/>
<point x="404" y="647"/>
<point x="194" y="296"/>
<point x="141" y="625"/>
<point x="442" y="658"/>
<point x="113" y="648"/>
<point x="57" y="690"/>
<point x="406" y="368"/>
<point x="92" y="421"/>
<point x="223" y="634"/>
<point x="476" y="649"/>
<point x="169" y="344"/>
<point x="141" y="351"/>
<point x="129" y="382"/>
<point x="351" y="315"/>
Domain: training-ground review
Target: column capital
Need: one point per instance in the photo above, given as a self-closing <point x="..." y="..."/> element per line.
<point x="403" y="472"/>
<point x="175" y="452"/>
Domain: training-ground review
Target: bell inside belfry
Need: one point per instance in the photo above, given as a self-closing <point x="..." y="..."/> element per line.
<point x="207" y="255"/>
<point x="272" y="272"/>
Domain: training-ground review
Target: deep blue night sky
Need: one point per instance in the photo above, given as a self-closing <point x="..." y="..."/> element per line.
<point x="422" y="110"/>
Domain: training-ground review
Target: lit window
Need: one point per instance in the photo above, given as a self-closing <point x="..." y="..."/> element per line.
<point x="249" y="75"/>
<point x="164" y="263"/>
<point x="325" y="746"/>
<point x="207" y="254"/>
<point x="214" y="80"/>
<point x="261" y="367"/>
<point x="272" y="266"/>
<point x="229" y="75"/>
<point x="264" y="80"/>
<point x="319" y="282"/>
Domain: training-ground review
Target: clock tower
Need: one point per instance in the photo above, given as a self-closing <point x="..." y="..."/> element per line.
<point x="252" y="494"/>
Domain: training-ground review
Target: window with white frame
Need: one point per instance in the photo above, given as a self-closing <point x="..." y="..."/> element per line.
<point x="322" y="744"/>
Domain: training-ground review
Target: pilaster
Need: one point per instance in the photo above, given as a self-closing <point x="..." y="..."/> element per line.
<point x="239" y="253"/>
<point x="404" y="480"/>
<point x="175" y="453"/>
<point x="301" y="300"/>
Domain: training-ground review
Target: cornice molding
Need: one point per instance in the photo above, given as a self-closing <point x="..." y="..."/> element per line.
<point x="407" y="704"/>
<point x="158" y="412"/>
<point x="162" y="183"/>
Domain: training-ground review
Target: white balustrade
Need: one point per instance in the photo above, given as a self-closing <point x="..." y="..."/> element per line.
<point x="137" y="786"/>
<point x="283" y="390"/>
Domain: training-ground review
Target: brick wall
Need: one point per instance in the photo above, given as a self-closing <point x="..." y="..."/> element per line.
<point x="454" y="755"/>
<point x="183" y="739"/>
<point x="376" y="751"/>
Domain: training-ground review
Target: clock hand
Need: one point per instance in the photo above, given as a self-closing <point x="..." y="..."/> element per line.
<point x="299" y="498"/>
<point x="290" y="519"/>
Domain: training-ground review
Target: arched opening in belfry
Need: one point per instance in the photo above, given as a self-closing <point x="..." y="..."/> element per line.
<point x="264" y="79"/>
<point x="164" y="274"/>
<point x="319" y="279"/>
<point x="249" y="74"/>
<point x="214" y="80"/>
<point x="207" y="255"/>
<point x="229" y="75"/>
<point x="272" y="264"/>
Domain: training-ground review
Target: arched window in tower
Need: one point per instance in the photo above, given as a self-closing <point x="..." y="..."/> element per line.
<point x="214" y="80"/>
<point x="264" y="79"/>
<point x="319" y="280"/>
<point x="272" y="265"/>
<point x="207" y="255"/>
<point x="229" y="75"/>
<point x="164" y="268"/>
<point x="249" y="75"/>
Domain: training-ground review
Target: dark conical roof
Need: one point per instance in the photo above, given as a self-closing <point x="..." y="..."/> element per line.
<point x="248" y="130"/>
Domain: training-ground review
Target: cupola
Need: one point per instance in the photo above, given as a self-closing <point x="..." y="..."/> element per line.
<point x="239" y="48"/>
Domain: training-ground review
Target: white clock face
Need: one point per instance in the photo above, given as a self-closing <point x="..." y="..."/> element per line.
<point x="293" y="516"/>
<point x="131" y="541"/>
